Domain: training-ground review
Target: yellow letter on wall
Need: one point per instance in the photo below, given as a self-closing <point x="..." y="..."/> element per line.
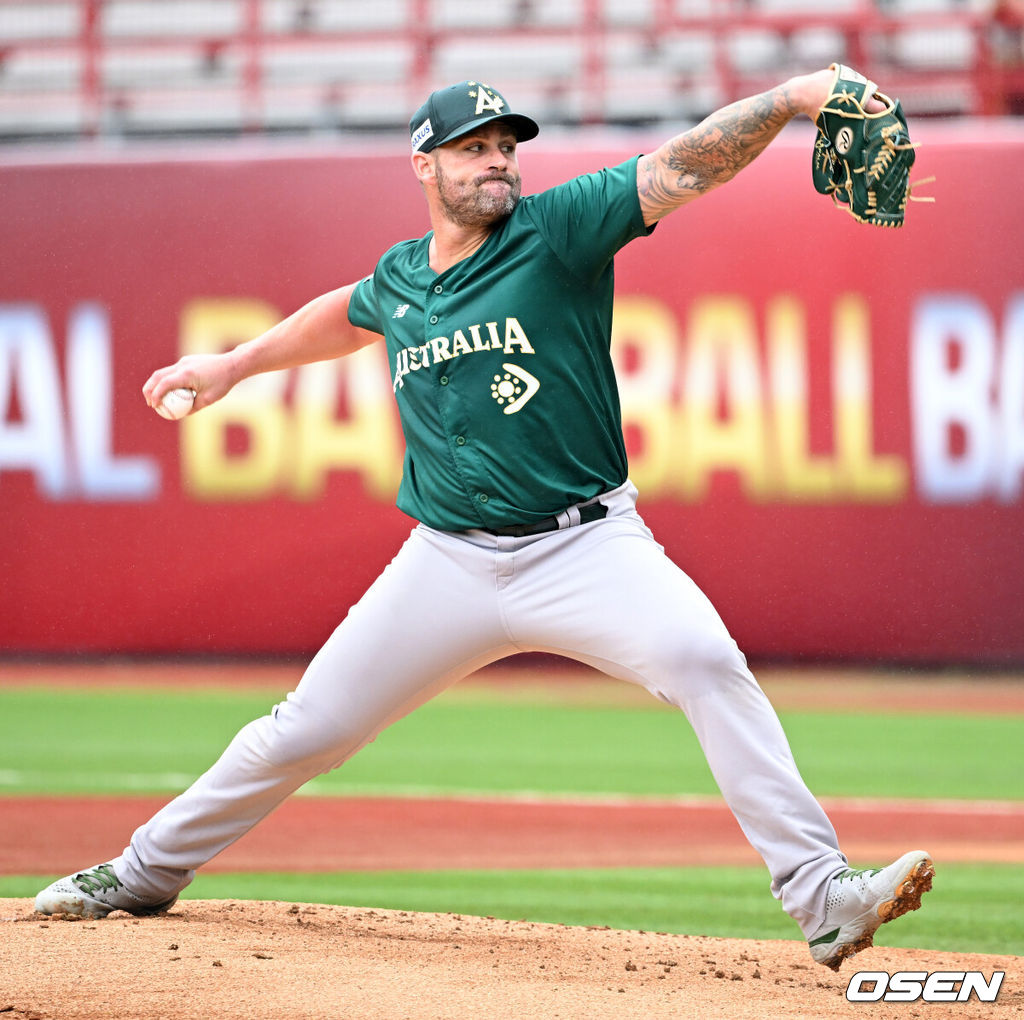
<point x="255" y="407"/>
<point x="803" y="474"/>
<point x="865" y="476"/>
<point x="723" y="361"/>
<point x="647" y="329"/>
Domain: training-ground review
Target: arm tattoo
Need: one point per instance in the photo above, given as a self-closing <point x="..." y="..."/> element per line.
<point x="711" y="153"/>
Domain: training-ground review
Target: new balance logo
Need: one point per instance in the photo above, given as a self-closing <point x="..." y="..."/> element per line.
<point x="399" y="312"/>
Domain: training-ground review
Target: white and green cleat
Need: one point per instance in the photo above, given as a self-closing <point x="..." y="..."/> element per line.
<point x="860" y="901"/>
<point x="95" y="893"/>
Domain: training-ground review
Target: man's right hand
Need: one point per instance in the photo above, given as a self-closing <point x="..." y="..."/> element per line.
<point x="210" y="375"/>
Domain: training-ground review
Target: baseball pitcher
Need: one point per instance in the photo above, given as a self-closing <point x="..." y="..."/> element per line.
<point x="497" y="328"/>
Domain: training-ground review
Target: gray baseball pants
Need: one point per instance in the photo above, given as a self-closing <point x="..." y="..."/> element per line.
<point x="603" y="593"/>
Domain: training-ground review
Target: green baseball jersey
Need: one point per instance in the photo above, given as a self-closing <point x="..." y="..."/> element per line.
<point x="501" y="365"/>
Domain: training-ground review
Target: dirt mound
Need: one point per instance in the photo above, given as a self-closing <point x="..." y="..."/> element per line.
<point x="248" y="960"/>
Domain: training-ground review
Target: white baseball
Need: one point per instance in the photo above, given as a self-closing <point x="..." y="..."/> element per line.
<point x="176" y="403"/>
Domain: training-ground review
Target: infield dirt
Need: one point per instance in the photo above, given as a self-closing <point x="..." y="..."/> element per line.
<point x="290" y="961"/>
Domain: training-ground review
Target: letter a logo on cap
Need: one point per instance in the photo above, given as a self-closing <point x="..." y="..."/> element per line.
<point x="487" y="100"/>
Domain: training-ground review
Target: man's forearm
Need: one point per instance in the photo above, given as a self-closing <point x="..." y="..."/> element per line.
<point x="319" y="331"/>
<point x="718" y="148"/>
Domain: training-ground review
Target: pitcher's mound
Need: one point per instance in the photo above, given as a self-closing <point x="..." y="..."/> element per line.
<point x="250" y="960"/>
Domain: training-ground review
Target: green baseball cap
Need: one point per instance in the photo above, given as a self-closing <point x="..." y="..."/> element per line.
<point x="456" y="110"/>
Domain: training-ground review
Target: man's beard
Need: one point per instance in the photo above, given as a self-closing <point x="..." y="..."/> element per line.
<point x="470" y="205"/>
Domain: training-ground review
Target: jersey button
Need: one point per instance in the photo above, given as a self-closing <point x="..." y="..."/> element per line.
<point x="438" y="289"/>
<point x="433" y="320"/>
<point x="443" y="380"/>
<point x="483" y="497"/>
<point x="460" y="440"/>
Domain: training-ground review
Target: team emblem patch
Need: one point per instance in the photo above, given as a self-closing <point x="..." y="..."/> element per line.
<point x="514" y="388"/>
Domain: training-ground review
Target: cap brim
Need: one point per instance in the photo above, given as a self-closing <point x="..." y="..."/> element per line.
<point x="524" y="128"/>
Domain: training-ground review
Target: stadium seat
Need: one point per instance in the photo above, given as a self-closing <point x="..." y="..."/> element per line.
<point x="40" y="70"/>
<point x="121" y="18"/>
<point x="337" y="62"/>
<point x="39" y="21"/>
<point x="312" y="65"/>
<point x="334" y="16"/>
<point x="491" y="59"/>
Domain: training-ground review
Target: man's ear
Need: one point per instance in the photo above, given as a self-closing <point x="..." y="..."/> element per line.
<point x="423" y="167"/>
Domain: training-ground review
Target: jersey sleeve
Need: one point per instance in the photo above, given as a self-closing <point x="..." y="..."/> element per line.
<point x="589" y="218"/>
<point x="362" y="306"/>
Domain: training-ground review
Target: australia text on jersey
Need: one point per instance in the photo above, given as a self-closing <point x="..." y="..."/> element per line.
<point x="482" y="337"/>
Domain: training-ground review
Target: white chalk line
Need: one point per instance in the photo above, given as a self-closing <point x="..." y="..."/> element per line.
<point x="175" y="782"/>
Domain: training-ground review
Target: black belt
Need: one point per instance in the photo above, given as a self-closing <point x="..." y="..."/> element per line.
<point x="588" y="513"/>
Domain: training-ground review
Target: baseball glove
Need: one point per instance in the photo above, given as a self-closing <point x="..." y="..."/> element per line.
<point x="863" y="159"/>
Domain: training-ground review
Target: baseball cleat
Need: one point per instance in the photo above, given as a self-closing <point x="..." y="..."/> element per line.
<point x="95" y="893"/>
<point x="859" y="902"/>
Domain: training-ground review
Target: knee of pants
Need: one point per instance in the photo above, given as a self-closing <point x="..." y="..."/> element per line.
<point x="293" y="736"/>
<point x="691" y="667"/>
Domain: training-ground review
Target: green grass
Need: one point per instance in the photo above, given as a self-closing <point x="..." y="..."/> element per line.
<point x="499" y="740"/>
<point x="972" y="908"/>
<point x="105" y="741"/>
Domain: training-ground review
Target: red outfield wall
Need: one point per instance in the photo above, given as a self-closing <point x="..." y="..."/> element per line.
<point x="826" y="420"/>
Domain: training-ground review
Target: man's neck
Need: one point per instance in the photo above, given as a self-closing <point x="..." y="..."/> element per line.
<point x="451" y="244"/>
